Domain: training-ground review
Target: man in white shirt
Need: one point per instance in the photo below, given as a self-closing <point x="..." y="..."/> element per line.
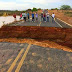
<point x="24" y="15"/>
<point x="53" y="16"/>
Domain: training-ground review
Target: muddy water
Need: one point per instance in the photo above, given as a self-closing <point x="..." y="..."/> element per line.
<point x="7" y="20"/>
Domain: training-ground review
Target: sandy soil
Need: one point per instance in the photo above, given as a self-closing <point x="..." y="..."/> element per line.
<point x="43" y="43"/>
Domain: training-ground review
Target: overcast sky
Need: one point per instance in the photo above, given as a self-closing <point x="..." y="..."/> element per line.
<point x="25" y="4"/>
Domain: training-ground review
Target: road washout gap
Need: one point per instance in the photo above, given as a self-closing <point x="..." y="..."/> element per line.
<point x="61" y="36"/>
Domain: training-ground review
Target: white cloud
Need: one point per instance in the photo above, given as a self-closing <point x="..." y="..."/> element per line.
<point x="12" y="6"/>
<point x="7" y="5"/>
<point x="25" y="4"/>
<point x="41" y="1"/>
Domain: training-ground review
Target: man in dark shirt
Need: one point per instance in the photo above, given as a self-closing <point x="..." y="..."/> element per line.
<point x="42" y="16"/>
<point x="32" y="17"/>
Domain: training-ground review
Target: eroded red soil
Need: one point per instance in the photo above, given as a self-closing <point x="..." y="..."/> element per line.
<point x="60" y="38"/>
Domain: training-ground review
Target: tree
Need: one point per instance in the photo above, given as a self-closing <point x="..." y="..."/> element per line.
<point x="56" y="8"/>
<point x="28" y="9"/>
<point x="65" y="7"/>
<point x="16" y="10"/>
<point x="52" y="9"/>
<point x="39" y="8"/>
<point x="34" y="9"/>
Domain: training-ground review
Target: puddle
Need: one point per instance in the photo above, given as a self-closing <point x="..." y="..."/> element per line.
<point x="7" y="20"/>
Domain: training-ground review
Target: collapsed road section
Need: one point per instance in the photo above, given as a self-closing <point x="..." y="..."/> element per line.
<point x="61" y="36"/>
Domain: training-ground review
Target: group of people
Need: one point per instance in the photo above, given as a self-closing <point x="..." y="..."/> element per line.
<point x="26" y="16"/>
<point x="44" y="16"/>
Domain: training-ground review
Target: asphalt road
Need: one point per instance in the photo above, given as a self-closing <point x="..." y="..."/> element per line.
<point x="17" y="57"/>
<point x="56" y="23"/>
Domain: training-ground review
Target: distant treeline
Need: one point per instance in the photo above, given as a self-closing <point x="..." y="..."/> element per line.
<point x="9" y="12"/>
<point x="63" y="7"/>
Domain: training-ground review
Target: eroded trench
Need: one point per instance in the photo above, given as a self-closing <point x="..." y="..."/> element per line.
<point x="53" y="37"/>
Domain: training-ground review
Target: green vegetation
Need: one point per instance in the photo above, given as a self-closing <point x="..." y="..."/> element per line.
<point x="54" y="9"/>
<point x="9" y="12"/>
<point x="34" y="9"/>
<point x="28" y="10"/>
<point x="39" y="8"/>
<point x="65" y="7"/>
<point x="68" y="14"/>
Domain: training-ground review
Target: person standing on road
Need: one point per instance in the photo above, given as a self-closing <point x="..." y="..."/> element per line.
<point x="53" y="16"/>
<point x="24" y="16"/>
<point x="32" y="17"/>
<point x="42" y="16"/>
<point x="14" y="15"/>
<point x="28" y="16"/>
<point x="36" y="16"/>
<point x="47" y="15"/>
<point x="21" y="16"/>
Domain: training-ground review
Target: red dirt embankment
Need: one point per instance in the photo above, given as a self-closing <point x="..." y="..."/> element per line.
<point x="60" y="14"/>
<point x="61" y="36"/>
